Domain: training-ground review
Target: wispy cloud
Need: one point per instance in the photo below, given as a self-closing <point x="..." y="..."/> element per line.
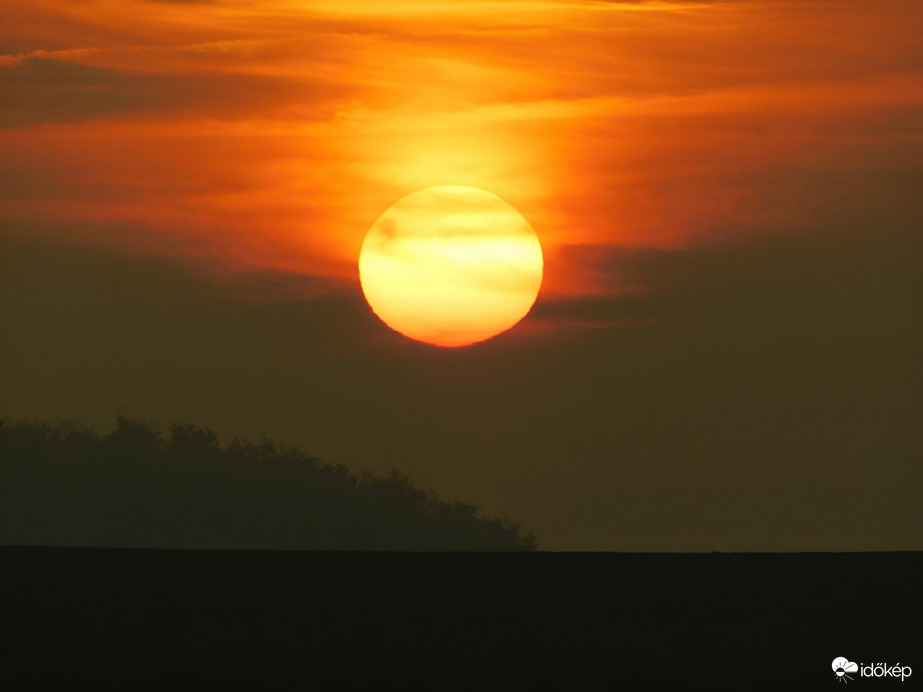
<point x="281" y="130"/>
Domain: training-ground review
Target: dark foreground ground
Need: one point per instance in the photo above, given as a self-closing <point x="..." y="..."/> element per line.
<point x="327" y="620"/>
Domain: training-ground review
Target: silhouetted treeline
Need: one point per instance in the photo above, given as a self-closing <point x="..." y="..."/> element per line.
<point x="66" y="485"/>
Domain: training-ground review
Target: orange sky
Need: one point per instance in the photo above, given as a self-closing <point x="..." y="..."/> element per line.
<point x="248" y="135"/>
<point x="725" y="350"/>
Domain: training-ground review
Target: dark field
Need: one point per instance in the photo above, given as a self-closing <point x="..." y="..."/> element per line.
<point x="461" y="620"/>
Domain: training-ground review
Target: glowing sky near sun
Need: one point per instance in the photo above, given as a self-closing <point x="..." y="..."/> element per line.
<point x="272" y="134"/>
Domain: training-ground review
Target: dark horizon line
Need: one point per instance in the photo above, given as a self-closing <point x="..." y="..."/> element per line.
<point x="88" y="548"/>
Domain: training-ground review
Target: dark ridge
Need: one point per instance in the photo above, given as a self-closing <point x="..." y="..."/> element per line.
<point x="66" y="485"/>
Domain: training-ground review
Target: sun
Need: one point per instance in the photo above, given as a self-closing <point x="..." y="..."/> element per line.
<point x="451" y="266"/>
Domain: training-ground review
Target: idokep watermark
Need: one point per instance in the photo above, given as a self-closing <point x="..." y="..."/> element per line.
<point x="845" y="670"/>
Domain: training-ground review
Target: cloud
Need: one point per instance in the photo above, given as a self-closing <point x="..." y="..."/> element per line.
<point x="42" y="90"/>
<point x="823" y="283"/>
<point x="844" y="664"/>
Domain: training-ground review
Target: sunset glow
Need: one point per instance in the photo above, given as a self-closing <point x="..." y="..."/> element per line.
<point x="642" y="274"/>
<point x="268" y="136"/>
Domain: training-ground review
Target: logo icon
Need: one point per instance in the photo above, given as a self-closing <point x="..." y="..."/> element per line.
<point x="841" y="667"/>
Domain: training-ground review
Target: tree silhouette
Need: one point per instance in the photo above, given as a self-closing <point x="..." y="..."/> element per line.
<point x="66" y="485"/>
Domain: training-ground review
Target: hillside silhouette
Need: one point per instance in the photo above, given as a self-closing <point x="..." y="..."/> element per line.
<point x="66" y="485"/>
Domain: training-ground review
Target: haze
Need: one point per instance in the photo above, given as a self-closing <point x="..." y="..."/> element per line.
<point x="725" y="354"/>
